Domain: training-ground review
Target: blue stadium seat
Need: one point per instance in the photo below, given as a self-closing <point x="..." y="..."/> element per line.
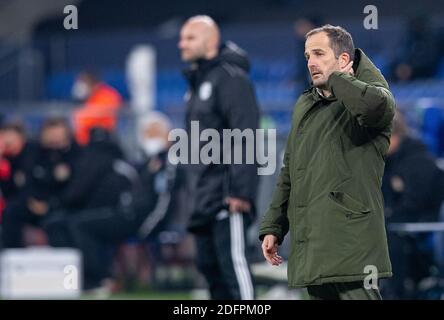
<point x="117" y="80"/>
<point x="58" y="85"/>
<point x="440" y="70"/>
<point x="433" y="130"/>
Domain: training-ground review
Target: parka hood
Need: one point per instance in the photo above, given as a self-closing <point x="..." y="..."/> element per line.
<point x="231" y="53"/>
<point x="366" y="71"/>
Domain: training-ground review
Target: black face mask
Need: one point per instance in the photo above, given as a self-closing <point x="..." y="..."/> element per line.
<point x="55" y="154"/>
<point x="10" y="157"/>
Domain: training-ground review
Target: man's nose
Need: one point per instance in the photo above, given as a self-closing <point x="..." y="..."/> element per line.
<point x="311" y="63"/>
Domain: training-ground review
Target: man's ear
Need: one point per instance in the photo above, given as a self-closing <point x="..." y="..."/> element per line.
<point x="344" y="59"/>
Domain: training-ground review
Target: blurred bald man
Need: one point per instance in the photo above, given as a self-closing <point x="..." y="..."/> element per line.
<point x="222" y="196"/>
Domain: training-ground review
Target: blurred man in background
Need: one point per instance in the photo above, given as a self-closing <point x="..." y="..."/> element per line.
<point x="51" y="170"/>
<point x="129" y="203"/>
<point x="220" y="96"/>
<point x="413" y="184"/>
<point x="413" y="188"/>
<point x="16" y="158"/>
<point x="96" y="185"/>
<point x="54" y="164"/>
<point x="155" y="171"/>
<point x="100" y="106"/>
<point x="18" y="154"/>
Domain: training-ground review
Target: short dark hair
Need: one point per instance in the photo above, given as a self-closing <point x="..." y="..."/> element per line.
<point x="340" y="39"/>
<point x="53" y="122"/>
<point x="15" y="126"/>
<point x="91" y="75"/>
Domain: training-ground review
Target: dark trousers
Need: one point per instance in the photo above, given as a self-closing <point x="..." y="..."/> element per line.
<point x="15" y="217"/>
<point x="94" y="232"/>
<point x="411" y="262"/>
<point x="222" y="258"/>
<point x="343" y="291"/>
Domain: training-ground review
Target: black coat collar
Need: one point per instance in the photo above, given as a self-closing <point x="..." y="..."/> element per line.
<point x="198" y="69"/>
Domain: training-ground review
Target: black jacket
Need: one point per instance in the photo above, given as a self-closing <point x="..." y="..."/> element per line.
<point x="220" y="96"/>
<point x="413" y="185"/>
<point x="156" y="198"/>
<point x="19" y="180"/>
<point x="96" y="182"/>
<point x="52" y="171"/>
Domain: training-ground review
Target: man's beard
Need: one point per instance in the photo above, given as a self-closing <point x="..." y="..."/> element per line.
<point x="320" y="85"/>
<point x="325" y="75"/>
<point x="194" y="58"/>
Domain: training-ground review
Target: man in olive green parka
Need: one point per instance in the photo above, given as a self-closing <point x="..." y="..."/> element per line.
<point x="328" y="195"/>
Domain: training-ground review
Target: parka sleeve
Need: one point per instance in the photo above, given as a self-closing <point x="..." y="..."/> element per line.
<point x="372" y="105"/>
<point x="275" y="220"/>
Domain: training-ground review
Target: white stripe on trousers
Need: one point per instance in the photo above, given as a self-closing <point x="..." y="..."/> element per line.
<point x="237" y="239"/>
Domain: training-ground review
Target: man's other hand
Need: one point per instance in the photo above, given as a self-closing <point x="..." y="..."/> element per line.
<point x="270" y="250"/>
<point x="37" y="207"/>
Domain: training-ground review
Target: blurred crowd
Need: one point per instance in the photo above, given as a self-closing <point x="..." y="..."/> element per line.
<point x="72" y="186"/>
<point x="67" y="190"/>
<point x="413" y="189"/>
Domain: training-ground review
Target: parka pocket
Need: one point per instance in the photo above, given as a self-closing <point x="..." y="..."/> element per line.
<point x="301" y="234"/>
<point x="337" y="160"/>
<point x="351" y="207"/>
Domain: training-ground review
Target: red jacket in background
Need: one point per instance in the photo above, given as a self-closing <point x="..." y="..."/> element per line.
<point x="99" y="110"/>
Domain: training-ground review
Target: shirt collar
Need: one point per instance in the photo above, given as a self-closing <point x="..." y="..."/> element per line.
<point x="322" y="96"/>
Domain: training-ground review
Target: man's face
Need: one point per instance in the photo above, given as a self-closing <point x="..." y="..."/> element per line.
<point x="321" y="60"/>
<point x="193" y="42"/>
<point x="12" y="143"/>
<point x="56" y="138"/>
<point x="154" y="138"/>
<point x="155" y="130"/>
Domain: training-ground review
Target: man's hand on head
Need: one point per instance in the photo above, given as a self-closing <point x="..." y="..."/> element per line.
<point x="348" y="68"/>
